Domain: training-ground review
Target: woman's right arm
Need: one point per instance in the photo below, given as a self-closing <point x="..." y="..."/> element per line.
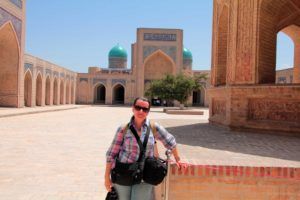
<point x="111" y="153"/>
<point x="107" y="180"/>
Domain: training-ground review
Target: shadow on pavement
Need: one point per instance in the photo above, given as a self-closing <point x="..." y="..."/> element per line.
<point x="216" y="137"/>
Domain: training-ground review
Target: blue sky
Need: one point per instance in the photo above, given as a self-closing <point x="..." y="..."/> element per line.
<point x="79" y="34"/>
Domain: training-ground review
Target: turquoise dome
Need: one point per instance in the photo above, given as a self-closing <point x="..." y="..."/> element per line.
<point x="187" y="54"/>
<point x="117" y="52"/>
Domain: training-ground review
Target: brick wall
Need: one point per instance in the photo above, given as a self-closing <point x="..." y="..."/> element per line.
<point x="232" y="182"/>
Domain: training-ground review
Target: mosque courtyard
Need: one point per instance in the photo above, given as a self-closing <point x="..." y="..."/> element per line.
<point x="61" y="155"/>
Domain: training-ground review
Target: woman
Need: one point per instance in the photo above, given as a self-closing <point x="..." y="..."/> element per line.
<point x="126" y="148"/>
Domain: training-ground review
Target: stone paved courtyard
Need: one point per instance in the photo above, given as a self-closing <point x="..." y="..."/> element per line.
<point x="61" y="155"/>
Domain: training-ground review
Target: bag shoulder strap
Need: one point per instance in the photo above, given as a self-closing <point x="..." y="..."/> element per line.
<point x="154" y="131"/>
<point x="124" y="130"/>
<point x="142" y="146"/>
<point x="153" y="128"/>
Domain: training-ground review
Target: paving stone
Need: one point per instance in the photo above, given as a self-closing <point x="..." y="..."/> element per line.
<point x="61" y="155"/>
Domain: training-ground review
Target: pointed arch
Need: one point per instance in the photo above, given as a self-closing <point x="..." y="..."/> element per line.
<point x="67" y="92"/>
<point x="118" y="92"/>
<point x="273" y="16"/>
<point x="47" y="90"/>
<point x="55" y="91"/>
<point x="62" y="91"/>
<point x="293" y="32"/>
<point x="28" y="89"/>
<point x="99" y="93"/>
<point x="72" y="93"/>
<point x="157" y="65"/>
<point x="10" y="65"/>
<point x="39" y="88"/>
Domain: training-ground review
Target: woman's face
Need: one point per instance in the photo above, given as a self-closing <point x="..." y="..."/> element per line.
<point x="140" y="109"/>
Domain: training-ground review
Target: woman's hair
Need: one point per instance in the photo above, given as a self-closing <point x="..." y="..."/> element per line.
<point x="142" y="99"/>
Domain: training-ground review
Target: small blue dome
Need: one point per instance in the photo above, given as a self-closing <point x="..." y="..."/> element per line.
<point x="187" y="54"/>
<point x="117" y="52"/>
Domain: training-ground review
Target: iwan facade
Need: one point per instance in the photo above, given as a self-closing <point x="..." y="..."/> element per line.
<point x="157" y="52"/>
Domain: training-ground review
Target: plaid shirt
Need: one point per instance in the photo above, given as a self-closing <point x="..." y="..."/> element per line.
<point x="127" y="147"/>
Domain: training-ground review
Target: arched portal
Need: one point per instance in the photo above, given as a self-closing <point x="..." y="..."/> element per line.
<point x="9" y="65"/>
<point x="55" y="92"/>
<point x="99" y="94"/>
<point x="47" y="94"/>
<point x="157" y="65"/>
<point x="28" y="89"/>
<point x="72" y="93"/>
<point x="197" y="98"/>
<point x="274" y="16"/>
<point x="67" y="93"/>
<point x="39" y="88"/>
<point x="118" y="94"/>
<point x="293" y="32"/>
<point x="62" y="92"/>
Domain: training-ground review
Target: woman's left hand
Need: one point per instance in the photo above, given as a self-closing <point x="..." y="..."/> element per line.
<point x="182" y="166"/>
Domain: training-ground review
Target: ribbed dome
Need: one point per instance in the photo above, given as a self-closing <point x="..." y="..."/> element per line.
<point x="187" y="54"/>
<point x="117" y="52"/>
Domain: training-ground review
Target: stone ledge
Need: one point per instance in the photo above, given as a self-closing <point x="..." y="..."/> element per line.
<point x="185" y="111"/>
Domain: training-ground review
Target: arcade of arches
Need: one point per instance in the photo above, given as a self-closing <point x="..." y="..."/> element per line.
<point x="244" y="93"/>
<point x="47" y="84"/>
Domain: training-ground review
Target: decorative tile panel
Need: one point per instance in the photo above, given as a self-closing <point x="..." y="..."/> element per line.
<point x="17" y="23"/>
<point x="84" y="79"/>
<point x="97" y="80"/>
<point x="48" y="72"/>
<point x="18" y="3"/>
<point x="274" y="110"/>
<point x="169" y="50"/>
<point x="122" y="81"/>
<point x="55" y="74"/>
<point x="219" y="107"/>
<point x="28" y="66"/>
<point x="40" y="69"/>
<point x="159" y="37"/>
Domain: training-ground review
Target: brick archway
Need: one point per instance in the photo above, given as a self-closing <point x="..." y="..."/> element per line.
<point x="9" y="59"/>
<point x="28" y="89"/>
<point x="72" y="93"/>
<point x="99" y="93"/>
<point x="118" y="94"/>
<point x="274" y="16"/>
<point x="39" y="88"/>
<point x="55" y="91"/>
<point x="62" y="92"/>
<point x="47" y="91"/>
<point x="157" y="65"/>
<point x="67" y="92"/>
<point x="293" y="31"/>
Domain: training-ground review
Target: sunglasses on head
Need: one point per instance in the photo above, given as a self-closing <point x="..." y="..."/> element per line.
<point x="138" y="108"/>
